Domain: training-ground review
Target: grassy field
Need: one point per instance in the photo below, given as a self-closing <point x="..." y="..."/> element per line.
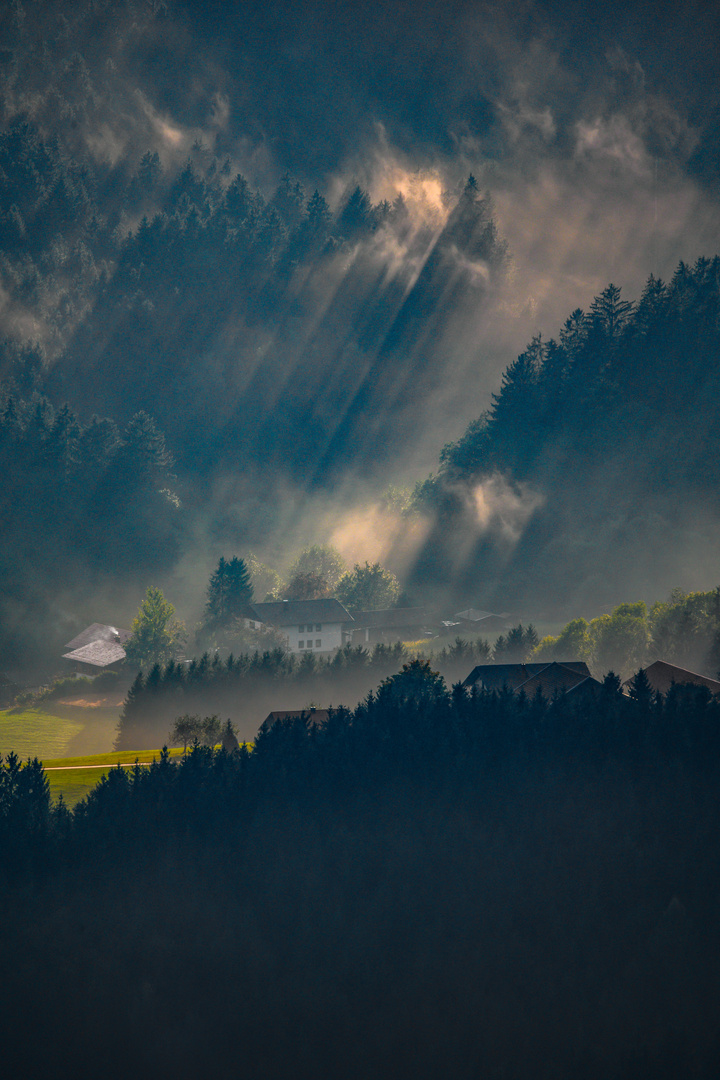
<point x="73" y="741"/>
<point x="74" y="777"/>
<point x="57" y="733"/>
<point x="58" y="729"/>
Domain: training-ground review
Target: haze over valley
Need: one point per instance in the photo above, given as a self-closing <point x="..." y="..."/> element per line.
<point x="312" y="282"/>
<point x="359" y="579"/>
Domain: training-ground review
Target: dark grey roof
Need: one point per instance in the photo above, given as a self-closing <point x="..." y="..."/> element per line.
<point x="311" y="716"/>
<point x="289" y="612"/>
<point x="589" y="687"/>
<point x="495" y="676"/>
<point x="97" y="653"/>
<point x="99" y="632"/>
<point x="390" y="617"/>
<point x="554" y="678"/>
<point x="476" y="615"/>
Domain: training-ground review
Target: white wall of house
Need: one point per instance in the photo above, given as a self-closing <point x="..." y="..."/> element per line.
<point x="313" y="637"/>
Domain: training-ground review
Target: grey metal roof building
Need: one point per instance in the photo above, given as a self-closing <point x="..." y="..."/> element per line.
<point x="288" y="612"/>
<point x="98" y="646"/>
<point x="98" y="654"/>
<point x="99" y="632"/>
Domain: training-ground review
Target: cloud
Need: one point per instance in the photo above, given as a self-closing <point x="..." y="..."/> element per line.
<point x="371" y="531"/>
<point x="519" y="119"/>
<point x="503" y="508"/>
<point x="615" y="139"/>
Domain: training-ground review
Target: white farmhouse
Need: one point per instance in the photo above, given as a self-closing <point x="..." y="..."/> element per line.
<point x="309" y="625"/>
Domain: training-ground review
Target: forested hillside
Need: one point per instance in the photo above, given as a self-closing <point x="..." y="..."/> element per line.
<point x="262" y="267"/>
<point x="246" y="339"/>
<point x="611" y="434"/>
<point x="241" y="293"/>
<point x="259" y="328"/>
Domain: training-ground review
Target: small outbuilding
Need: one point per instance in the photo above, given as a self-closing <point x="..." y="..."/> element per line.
<point x="389" y="624"/>
<point x="310" y="715"/>
<point x="97" y="648"/>
<point x="477" y="621"/>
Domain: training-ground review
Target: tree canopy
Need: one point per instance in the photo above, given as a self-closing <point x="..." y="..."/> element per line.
<point x="306" y="585"/>
<point x="324" y="560"/>
<point x="156" y="635"/>
<point x="367" y="587"/>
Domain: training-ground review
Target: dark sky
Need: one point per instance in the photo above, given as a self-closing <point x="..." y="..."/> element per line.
<point x="596" y="127"/>
<point x="432" y="73"/>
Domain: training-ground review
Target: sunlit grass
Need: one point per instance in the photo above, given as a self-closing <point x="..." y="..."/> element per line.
<point x="75" y="777"/>
<point x="421" y="643"/>
<point x="117" y="757"/>
<point x="33" y="733"/>
<point x="56" y="729"/>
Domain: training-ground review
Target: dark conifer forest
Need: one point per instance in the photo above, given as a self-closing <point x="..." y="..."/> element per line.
<point x="614" y="425"/>
<point x="434" y="883"/>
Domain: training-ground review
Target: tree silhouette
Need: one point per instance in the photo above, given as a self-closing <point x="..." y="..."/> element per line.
<point x="229" y="592"/>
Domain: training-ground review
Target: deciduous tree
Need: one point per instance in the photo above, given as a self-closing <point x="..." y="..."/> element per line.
<point x="368" y="588"/>
<point x="323" y="560"/>
<point x="156" y="635"/>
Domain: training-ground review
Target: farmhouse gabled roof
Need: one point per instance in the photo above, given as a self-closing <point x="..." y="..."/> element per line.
<point x="311" y="716"/>
<point x="495" y="676"/>
<point x="99" y="632"/>
<point x="662" y="675"/>
<point x="589" y="687"/>
<point x="554" y="679"/>
<point x="289" y="612"/>
<point x="97" y="653"/>
<point x="390" y="618"/>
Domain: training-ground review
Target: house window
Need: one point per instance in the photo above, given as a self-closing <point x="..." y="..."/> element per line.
<point x="301" y="644"/>
<point x="318" y="627"/>
<point x="317" y="643"/>
<point x="301" y="629"/>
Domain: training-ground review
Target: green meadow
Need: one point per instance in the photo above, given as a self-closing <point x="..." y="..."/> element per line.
<point x="65" y="734"/>
<point x="73" y="743"/>
<point x="74" y="777"/>
<point x="57" y="730"/>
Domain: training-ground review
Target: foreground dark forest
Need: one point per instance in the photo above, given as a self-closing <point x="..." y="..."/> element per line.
<point x="435" y="884"/>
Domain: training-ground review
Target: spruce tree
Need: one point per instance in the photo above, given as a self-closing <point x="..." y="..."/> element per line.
<point x="229" y="592"/>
